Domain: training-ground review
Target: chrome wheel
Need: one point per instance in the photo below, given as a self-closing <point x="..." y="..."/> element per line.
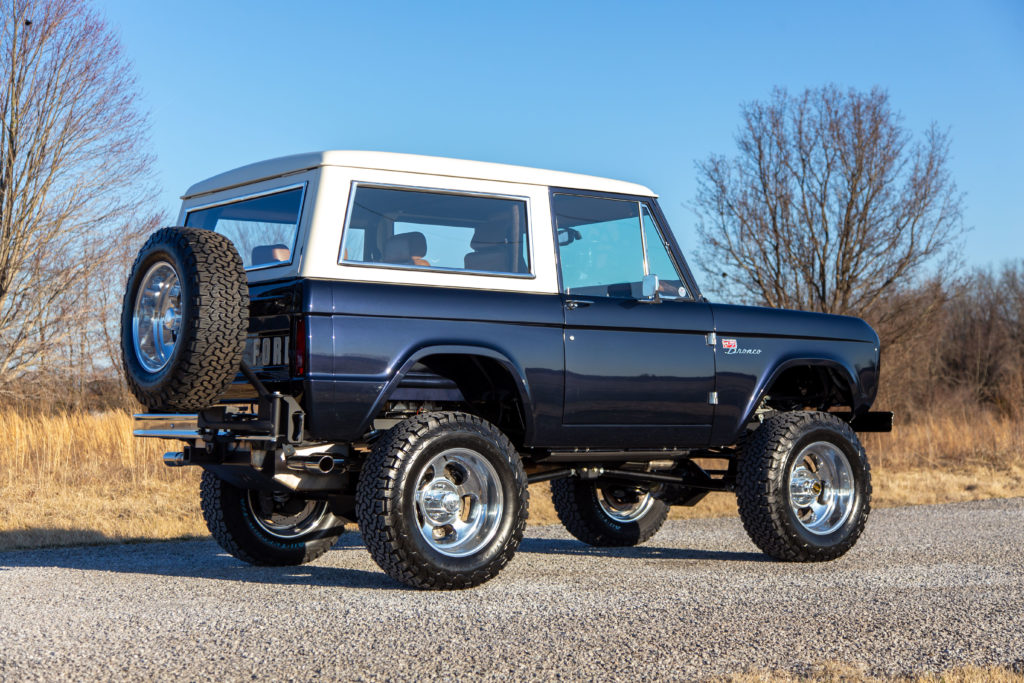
<point x="459" y="502"/>
<point x="285" y="516"/>
<point x="821" y="488"/>
<point x="624" y="505"/>
<point x="156" y="320"/>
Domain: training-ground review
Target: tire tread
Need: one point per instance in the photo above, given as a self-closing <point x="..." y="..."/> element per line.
<point x="215" y="337"/>
<point x="377" y="508"/>
<point x="581" y="516"/>
<point x="223" y="510"/>
<point x="760" y="486"/>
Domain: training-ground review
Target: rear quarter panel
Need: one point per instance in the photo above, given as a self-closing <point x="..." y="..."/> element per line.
<point x="362" y="334"/>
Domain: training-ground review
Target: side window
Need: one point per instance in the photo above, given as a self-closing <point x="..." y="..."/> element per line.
<point x="606" y="246"/>
<point x="262" y="228"/>
<point x="659" y="259"/>
<point x="419" y="229"/>
<point x="600" y="249"/>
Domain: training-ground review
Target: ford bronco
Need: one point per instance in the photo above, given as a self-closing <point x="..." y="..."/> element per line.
<point x="407" y="342"/>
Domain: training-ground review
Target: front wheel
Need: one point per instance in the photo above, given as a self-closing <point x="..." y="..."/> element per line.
<point x="804" y="487"/>
<point x="262" y="528"/>
<point x="607" y="515"/>
<point x="442" y="501"/>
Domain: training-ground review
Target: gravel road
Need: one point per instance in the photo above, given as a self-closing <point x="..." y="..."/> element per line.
<point x="927" y="588"/>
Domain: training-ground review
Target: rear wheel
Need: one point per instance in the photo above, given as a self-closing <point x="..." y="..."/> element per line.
<point x="265" y="528"/>
<point x="442" y="501"/>
<point x="804" y="487"/>
<point x="184" y="319"/>
<point x="607" y="514"/>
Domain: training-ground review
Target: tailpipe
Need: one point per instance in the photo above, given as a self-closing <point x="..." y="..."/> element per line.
<point x="316" y="463"/>
<point x="175" y="459"/>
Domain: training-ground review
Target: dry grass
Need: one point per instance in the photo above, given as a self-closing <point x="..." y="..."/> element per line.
<point x="81" y="477"/>
<point x="834" y="672"/>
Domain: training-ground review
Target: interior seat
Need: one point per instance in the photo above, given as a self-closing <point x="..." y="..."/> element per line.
<point x="270" y="253"/>
<point x="493" y="251"/>
<point x="407" y="249"/>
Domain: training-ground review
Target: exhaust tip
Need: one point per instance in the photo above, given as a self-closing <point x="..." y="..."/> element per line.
<point x="318" y="463"/>
<point x="175" y="459"/>
<point x="325" y="464"/>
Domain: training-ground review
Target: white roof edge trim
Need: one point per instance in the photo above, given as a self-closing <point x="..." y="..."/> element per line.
<point x="410" y="163"/>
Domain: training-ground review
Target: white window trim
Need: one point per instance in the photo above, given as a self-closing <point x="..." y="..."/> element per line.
<point x="329" y="213"/>
<point x="455" y="193"/>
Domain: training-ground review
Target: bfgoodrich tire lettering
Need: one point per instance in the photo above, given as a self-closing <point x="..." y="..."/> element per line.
<point x="211" y="331"/>
<point x="393" y="503"/>
<point x="237" y="527"/>
<point x="580" y="509"/>
<point x="772" y="489"/>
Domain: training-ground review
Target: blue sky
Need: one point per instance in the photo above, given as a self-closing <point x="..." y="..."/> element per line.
<point x="637" y="91"/>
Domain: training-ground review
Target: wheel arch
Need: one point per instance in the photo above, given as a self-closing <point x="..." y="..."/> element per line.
<point x="476" y="370"/>
<point x="821" y="380"/>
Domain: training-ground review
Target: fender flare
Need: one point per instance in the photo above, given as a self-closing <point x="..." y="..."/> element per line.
<point x="817" y="360"/>
<point x="503" y="359"/>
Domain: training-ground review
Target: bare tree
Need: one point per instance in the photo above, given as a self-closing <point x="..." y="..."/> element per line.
<point x="982" y="347"/>
<point x="75" y="181"/>
<point x="829" y="206"/>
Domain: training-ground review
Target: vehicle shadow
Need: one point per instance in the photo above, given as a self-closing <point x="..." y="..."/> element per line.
<point x="204" y="559"/>
<point x="551" y="546"/>
<point x="197" y="559"/>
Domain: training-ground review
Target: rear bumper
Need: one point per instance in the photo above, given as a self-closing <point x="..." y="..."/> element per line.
<point x="187" y="427"/>
<point x="166" y="426"/>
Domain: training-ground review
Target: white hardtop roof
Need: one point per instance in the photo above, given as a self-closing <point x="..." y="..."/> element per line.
<point x="411" y="163"/>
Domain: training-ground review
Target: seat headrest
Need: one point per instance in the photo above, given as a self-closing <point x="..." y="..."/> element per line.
<point x="270" y="253"/>
<point x="416" y="241"/>
<point x="405" y="247"/>
<point x="493" y="235"/>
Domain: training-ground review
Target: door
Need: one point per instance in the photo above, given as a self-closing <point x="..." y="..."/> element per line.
<point x="630" y="362"/>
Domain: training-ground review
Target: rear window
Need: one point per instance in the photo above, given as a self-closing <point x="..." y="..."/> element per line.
<point x="263" y="228"/>
<point x="436" y="231"/>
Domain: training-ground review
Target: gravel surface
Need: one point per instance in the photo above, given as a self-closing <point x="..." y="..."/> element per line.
<point x="926" y="589"/>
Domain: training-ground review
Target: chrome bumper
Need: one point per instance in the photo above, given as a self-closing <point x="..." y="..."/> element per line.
<point x="167" y="426"/>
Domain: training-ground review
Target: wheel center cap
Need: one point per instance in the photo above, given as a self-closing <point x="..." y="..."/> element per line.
<point x="440" y="502"/>
<point x="805" y="487"/>
<point x="171" y="319"/>
<point x="451" y="502"/>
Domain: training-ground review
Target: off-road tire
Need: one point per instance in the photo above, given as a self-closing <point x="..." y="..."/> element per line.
<point x="229" y="517"/>
<point x="385" y="504"/>
<point x="580" y="512"/>
<point x="762" y="489"/>
<point x="214" y="320"/>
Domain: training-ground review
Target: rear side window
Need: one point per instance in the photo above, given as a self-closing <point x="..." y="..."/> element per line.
<point x="263" y="228"/>
<point x="437" y="231"/>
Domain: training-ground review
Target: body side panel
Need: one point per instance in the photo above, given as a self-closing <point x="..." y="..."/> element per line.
<point x="364" y="337"/>
<point x="755" y="345"/>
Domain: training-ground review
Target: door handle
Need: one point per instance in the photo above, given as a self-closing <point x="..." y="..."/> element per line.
<point x="573" y="304"/>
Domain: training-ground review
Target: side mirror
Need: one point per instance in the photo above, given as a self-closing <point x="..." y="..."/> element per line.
<point x="650" y="289"/>
<point x="567" y="236"/>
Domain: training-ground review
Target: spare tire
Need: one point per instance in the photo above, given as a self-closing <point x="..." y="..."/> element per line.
<point x="184" y="319"/>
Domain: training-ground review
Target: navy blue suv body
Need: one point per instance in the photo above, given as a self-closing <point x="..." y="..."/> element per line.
<point x="408" y="342"/>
